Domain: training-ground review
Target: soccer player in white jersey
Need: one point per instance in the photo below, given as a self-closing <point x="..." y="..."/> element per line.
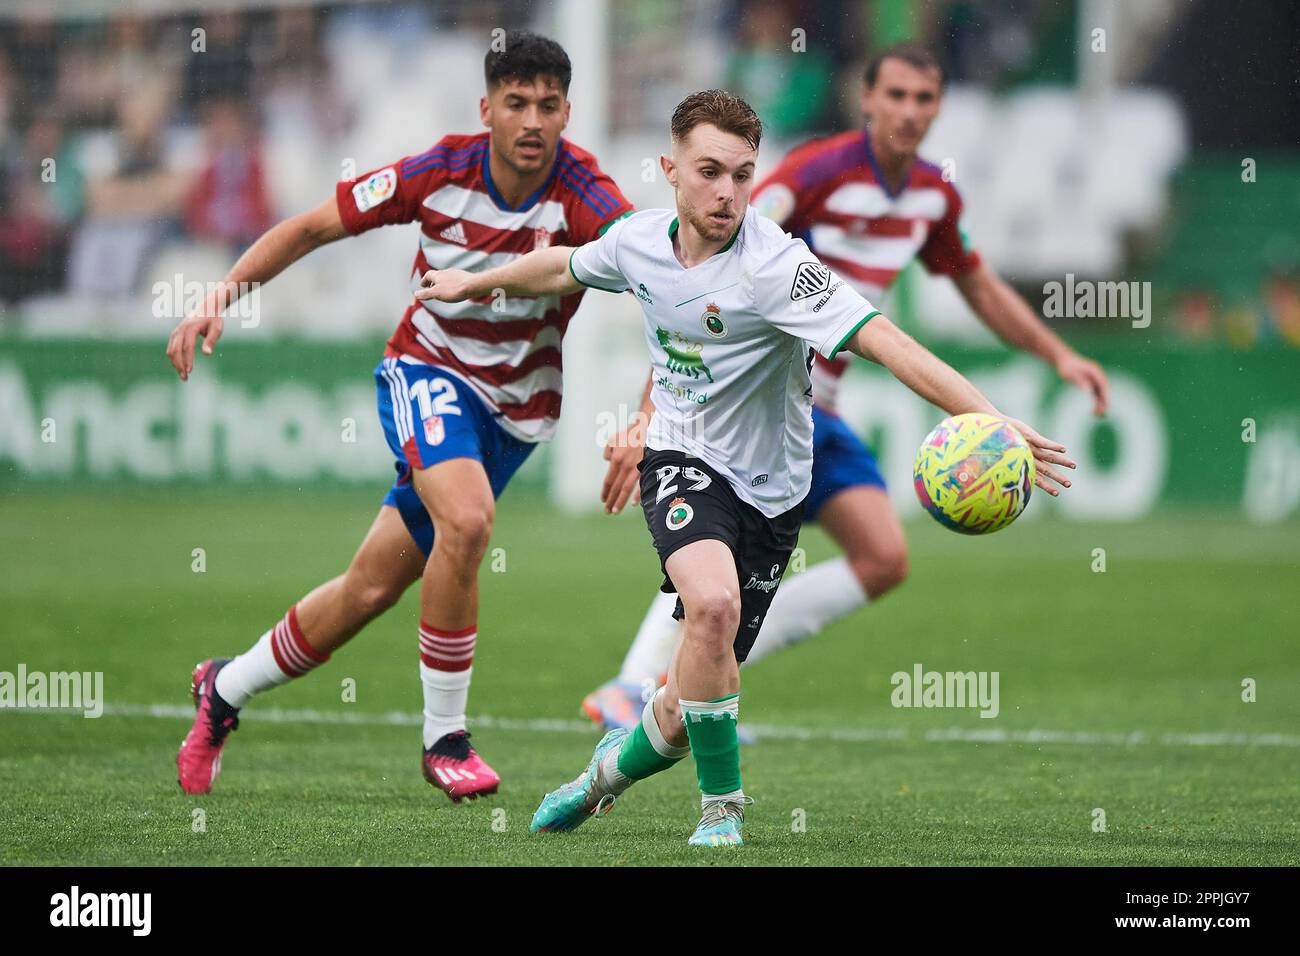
<point x="866" y="204"/>
<point x="464" y="393"/>
<point x="734" y="307"/>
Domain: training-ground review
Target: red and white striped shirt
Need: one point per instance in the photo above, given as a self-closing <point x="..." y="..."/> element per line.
<point x="508" y="350"/>
<point x="830" y="192"/>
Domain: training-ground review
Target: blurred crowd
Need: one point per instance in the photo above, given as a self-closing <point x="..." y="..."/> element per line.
<point x="126" y="137"/>
<point x="118" y="135"/>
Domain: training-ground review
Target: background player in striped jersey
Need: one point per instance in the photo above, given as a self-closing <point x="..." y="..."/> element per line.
<point x="464" y="391"/>
<point x="866" y="204"/>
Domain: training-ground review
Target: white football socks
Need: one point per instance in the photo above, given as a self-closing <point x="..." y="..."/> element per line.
<point x="279" y="655"/>
<point x="445" y="696"/>
<point x="445" y="667"/>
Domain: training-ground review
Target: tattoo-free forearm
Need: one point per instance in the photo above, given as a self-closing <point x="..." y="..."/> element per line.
<point x="279" y="247"/>
<point x="919" y="369"/>
<point x="540" y="272"/>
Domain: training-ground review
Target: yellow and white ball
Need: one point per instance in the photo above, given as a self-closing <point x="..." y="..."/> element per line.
<point x="974" y="473"/>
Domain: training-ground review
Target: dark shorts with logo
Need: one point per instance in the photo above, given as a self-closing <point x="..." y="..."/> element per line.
<point x="685" y="500"/>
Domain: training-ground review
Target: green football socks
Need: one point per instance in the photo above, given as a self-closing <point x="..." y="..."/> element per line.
<point x="645" y="752"/>
<point x="711" y="729"/>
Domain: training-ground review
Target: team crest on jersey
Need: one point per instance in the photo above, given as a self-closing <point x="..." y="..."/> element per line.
<point x="679" y="514"/>
<point x="810" y="278"/>
<point x="376" y="188"/>
<point x="434" y="430"/>
<point x="541" y="238"/>
<point x="712" y="319"/>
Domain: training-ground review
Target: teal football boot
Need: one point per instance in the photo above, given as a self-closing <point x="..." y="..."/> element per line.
<point x="582" y="798"/>
<point x="720" y="823"/>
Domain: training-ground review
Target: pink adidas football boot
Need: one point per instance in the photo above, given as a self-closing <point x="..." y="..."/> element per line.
<point x="199" y="759"/>
<point x="455" y="768"/>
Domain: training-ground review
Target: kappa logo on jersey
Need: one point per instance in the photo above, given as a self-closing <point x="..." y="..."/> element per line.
<point x="378" y="187"/>
<point x="712" y="319"/>
<point x="541" y="238"/>
<point x="679" y="514"/>
<point x="809" y="279"/>
<point x="455" y="233"/>
<point x="643" y="294"/>
<point x="683" y="356"/>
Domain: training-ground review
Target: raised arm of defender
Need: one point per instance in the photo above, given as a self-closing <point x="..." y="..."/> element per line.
<point x="884" y="343"/>
<point x="540" y="272"/>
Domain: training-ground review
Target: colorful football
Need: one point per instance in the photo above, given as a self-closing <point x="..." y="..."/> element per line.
<point x="974" y="473"/>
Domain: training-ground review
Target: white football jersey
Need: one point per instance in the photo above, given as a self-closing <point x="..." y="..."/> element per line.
<point x="729" y="344"/>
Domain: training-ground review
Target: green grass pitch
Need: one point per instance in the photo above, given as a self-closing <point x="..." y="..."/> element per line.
<point x="1134" y="676"/>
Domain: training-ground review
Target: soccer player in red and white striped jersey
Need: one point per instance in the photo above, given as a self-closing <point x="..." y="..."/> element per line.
<point x="464" y="393"/>
<point x="867" y="205"/>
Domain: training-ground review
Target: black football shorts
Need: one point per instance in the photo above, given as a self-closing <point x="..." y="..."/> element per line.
<point x="685" y="500"/>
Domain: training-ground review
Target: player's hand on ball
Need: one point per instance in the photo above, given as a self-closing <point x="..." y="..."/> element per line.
<point x="622" y="480"/>
<point x="204" y="321"/>
<point x="1088" y="375"/>
<point x="445" y="285"/>
<point x="1046" y="453"/>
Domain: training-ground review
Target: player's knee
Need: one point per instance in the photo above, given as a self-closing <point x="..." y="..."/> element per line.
<point x="465" y="531"/>
<point x="881" y="573"/>
<point x="713" y="618"/>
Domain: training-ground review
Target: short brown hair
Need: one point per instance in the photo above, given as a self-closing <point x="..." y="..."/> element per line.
<point x="727" y="111"/>
<point x="911" y="53"/>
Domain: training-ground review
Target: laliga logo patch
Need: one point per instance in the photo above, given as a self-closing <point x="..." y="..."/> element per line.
<point x="434" y="430"/>
<point x="713" y="324"/>
<point x="377" y="188"/>
<point x="679" y="514"/>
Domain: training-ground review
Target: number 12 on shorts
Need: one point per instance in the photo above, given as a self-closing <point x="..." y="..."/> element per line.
<point x="436" y="398"/>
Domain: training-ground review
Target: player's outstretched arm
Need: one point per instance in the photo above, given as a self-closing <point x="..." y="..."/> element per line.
<point x="541" y="272"/>
<point x="884" y="343"/>
<point x="1003" y="310"/>
<point x="276" y="249"/>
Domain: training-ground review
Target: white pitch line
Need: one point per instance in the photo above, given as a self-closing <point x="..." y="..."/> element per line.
<point x="397" y="718"/>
